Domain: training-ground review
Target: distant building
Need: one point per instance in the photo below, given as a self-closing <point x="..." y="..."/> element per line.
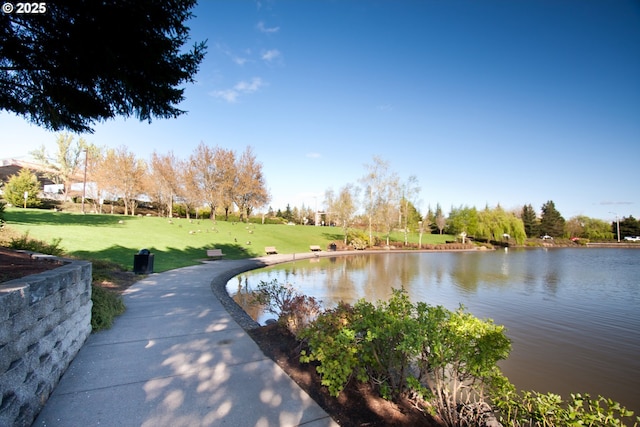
<point x="11" y="167"/>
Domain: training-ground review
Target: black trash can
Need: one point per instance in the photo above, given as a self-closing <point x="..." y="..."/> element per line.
<point x="333" y="247"/>
<point x="143" y="262"/>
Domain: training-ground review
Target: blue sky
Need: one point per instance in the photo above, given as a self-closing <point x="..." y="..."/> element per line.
<point x="485" y="102"/>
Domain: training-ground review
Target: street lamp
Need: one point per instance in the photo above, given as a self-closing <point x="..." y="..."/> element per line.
<point x="617" y="225"/>
<point x="84" y="180"/>
<point x="421" y="230"/>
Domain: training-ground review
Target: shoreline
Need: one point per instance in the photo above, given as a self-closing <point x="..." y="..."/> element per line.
<point x="235" y="267"/>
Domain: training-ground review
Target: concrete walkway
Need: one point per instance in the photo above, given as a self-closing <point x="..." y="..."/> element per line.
<point x="178" y="358"/>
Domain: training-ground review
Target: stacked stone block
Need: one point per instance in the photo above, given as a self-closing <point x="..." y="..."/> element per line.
<point x="44" y="321"/>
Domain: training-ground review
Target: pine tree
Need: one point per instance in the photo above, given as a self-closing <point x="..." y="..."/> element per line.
<point x="530" y="221"/>
<point x="551" y="222"/>
<point x="78" y="63"/>
<point x="25" y="182"/>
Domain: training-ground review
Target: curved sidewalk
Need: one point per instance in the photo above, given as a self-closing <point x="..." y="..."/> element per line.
<point x="176" y="357"/>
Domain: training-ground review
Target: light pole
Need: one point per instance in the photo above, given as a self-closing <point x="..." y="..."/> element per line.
<point x="420" y="238"/>
<point x="617" y="225"/>
<point x="84" y="180"/>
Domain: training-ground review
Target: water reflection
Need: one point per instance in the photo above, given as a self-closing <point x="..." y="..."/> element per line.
<point x="573" y="314"/>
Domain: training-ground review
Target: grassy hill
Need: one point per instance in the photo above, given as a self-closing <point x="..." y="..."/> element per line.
<point x="176" y="243"/>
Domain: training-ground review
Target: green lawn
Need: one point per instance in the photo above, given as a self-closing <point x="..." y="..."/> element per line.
<point x="175" y="244"/>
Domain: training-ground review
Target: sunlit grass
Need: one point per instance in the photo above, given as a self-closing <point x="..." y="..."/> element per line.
<point x="176" y="243"/>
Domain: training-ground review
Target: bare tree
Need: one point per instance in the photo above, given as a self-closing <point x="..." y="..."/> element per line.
<point x="214" y="173"/>
<point x="94" y="185"/>
<point x="226" y="175"/>
<point x="123" y="175"/>
<point x="205" y="175"/>
<point x="66" y="164"/>
<point x="188" y="190"/>
<point x="250" y="191"/>
<point x="343" y="207"/>
<point x="382" y="193"/>
<point x="164" y="179"/>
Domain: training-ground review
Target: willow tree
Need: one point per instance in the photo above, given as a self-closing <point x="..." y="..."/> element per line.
<point x="498" y="224"/>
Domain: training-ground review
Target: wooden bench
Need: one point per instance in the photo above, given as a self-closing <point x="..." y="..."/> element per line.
<point x="270" y="250"/>
<point x="315" y="248"/>
<point x="215" y="253"/>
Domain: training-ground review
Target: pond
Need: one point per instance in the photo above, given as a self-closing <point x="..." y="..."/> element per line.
<point x="573" y="315"/>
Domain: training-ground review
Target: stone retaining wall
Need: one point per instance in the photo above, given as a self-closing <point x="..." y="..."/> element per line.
<point x="44" y="320"/>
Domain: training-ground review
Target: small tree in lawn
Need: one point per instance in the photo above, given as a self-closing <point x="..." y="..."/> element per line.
<point x="409" y="215"/>
<point x="343" y="207"/>
<point x="440" y="220"/>
<point x="25" y="182"/>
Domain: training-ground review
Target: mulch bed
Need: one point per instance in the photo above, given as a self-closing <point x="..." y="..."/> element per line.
<point x="14" y="265"/>
<point x="357" y="405"/>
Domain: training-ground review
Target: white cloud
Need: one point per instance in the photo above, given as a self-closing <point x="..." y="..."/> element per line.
<point x="237" y="59"/>
<point x="241" y="88"/>
<point x="264" y="29"/>
<point x="249" y="87"/>
<point x="314" y="155"/>
<point x="271" y="55"/>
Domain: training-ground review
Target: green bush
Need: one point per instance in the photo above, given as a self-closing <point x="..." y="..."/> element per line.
<point x="533" y="409"/>
<point x="336" y="347"/>
<point x="359" y="239"/>
<point x="409" y="349"/>
<point x="24" y="182"/>
<point x="106" y="306"/>
<point x="24" y="242"/>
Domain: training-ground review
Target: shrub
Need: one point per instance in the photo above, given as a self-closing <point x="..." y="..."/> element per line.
<point x="293" y="309"/>
<point x="409" y="349"/>
<point x="533" y="409"/>
<point x="359" y="239"/>
<point x="24" y="242"/>
<point x="24" y="182"/>
<point x="106" y="306"/>
<point x="336" y="347"/>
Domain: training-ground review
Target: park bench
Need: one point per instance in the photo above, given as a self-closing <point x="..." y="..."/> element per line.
<point x="270" y="250"/>
<point x="315" y="248"/>
<point x="215" y="253"/>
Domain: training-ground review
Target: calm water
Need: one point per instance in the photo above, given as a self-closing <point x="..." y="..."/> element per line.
<point x="573" y="315"/>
